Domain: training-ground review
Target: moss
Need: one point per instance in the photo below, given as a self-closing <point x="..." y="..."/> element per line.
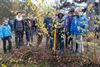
<point x="31" y="65"/>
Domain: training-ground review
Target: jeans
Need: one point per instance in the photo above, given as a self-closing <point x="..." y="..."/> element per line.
<point x="19" y="38"/>
<point x="62" y="45"/>
<point x="58" y="39"/>
<point x="66" y="43"/>
<point x="27" y="33"/>
<point x="78" y="44"/>
<point x="47" y="40"/>
<point x="4" y="43"/>
<point x="51" y="42"/>
<point x="32" y="31"/>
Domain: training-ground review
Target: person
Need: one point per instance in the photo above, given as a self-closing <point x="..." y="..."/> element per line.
<point x="97" y="27"/>
<point x="33" y="29"/>
<point x="48" y="22"/>
<point x="5" y="34"/>
<point x="11" y="23"/>
<point x="27" y="29"/>
<point x="79" y="27"/>
<point x="67" y="25"/>
<point x="60" y="32"/>
<point x="19" y="29"/>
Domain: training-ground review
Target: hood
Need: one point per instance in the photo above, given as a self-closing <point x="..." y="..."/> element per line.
<point x="5" y="23"/>
<point x="19" y="18"/>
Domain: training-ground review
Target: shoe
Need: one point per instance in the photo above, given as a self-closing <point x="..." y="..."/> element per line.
<point x="28" y="44"/>
<point x="40" y="45"/>
<point x="5" y="52"/>
<point x="33" y="45"/>
<point x="61" y="52"/>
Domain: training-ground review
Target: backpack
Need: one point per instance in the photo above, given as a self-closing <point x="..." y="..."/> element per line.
<point x="18" y="25"/>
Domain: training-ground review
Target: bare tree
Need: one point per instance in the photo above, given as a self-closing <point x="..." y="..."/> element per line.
<point x="6" y="7"/>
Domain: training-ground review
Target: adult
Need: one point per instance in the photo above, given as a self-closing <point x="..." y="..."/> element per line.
<point x="48" y="21"/>
<point x="60" y="32"/>
<point x="78" y="28"/>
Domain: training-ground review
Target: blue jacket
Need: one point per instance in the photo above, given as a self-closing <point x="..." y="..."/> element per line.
<point x="79" y="22"/>
<point x="5" y="31"/>
<point x="11" y="22"/>
<point x="47" y="21"/>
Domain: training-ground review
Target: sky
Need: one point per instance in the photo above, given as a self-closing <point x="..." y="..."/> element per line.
<point x="70" y="1"/>
<point x="53" y="2"/>
<point x="49" y="2"/>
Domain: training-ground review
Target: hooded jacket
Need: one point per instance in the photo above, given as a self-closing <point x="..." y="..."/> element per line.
<point x="5" y="30"/>
<point x="80" y="22"/>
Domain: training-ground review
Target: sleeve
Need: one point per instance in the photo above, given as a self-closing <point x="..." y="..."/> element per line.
<point x="1" y="32"/>
<point x="72" y="25"/>
<point x="23" y="25"/>
<point x="33" y="23"/>
<point x="14" y="24"/>
<point x="11" y="22"/>
<point x="85" y="25"/>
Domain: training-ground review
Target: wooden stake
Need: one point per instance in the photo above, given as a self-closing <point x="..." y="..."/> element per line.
<point x="54" y="39"/>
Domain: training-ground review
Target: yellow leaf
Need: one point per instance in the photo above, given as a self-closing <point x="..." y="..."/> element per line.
<point x="4" y="65"/>
<point x="90" y="5"/>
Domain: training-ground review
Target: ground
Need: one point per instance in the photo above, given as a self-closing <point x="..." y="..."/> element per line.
<point x="41" y="57"/>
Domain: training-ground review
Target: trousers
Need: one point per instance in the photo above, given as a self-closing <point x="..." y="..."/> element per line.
<point x="9" y="43"/>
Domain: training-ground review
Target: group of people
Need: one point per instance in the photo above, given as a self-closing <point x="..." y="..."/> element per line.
<point x="70" y="29"/>
<point x="20" y="24"/>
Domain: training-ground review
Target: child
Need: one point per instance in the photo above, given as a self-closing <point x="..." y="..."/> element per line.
<point x="28" y="31"/>
<point x="5" y="34"/>
<point x="19" y="29"/>
<point x="79" y="27"/>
